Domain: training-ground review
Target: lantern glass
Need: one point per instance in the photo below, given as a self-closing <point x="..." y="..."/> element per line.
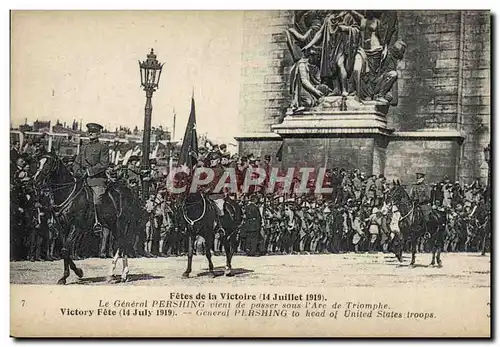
<point x="141" y="71"/>
<point x="159" y="75"/>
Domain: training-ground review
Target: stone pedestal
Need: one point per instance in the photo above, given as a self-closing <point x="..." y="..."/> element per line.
<point x="336" y="134"/>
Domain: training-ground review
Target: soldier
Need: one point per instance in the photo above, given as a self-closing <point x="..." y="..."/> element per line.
<point x="40" y="207"/>
<point x="379" y="189"/>
<point x="420" y="194"/>
<point x="394" y="227"/>
<point x="374" y="222"/>
<point x="447" y="194"/>
<point x="358" y="229"/>
<point x="434" y="195"/>
<point x="154" y="174"/>
<point x="252" y="225"/>
<point x="436" y="240"/>
<point x="419" y="190"/>
<point x="457" y="194"/>
<point x="370" y="191"/>
<point x="151" y="223"/>
<point x="15" y="152"/>
<point x="40" y="232"/>
<point x="91" y="163"/>
<point x="347" y="187"/>
<point x="357" y="185"/>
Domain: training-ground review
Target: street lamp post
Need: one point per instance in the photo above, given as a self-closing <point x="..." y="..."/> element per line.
<point x="150" y="78"/>
<point x="487" y="158"/>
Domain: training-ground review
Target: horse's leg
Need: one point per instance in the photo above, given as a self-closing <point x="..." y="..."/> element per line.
<point x="438" y="246"/>
<point x="208" y="252"/>
<point x="125" y="270"/>
<point x="414" y="241"/>
<point x="438" y="257"/>
<point x="397" y="246"/>
<point x="104" y="242"/>
<point x="78" y="271"/>
<point x="65" y="253"/>
<point x="229" y="248"/>
<point x="111" y="272"/>
<point x="483" y="240"/>
<point x="433" y="262"/>
<point x="64" y="256"/>
<point x="73" y="237"/>
<point x="190" y="255"/>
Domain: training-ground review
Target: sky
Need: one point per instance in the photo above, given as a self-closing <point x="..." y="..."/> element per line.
<point x="83" y="65"/>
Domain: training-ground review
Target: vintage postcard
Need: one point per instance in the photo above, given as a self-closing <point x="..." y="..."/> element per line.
<point x="279" y="173"/>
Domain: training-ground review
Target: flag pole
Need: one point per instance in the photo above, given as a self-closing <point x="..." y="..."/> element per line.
<point x="171" y="159"/>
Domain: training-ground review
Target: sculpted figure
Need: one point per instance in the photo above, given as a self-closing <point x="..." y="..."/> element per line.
<point x="340" y="35"/>
<point x="377" y="35"/>
<point x="307" y="24"/>
<point x="388" y="75"/>
<point x="344" y="53"/>
<point x="305" y="86"/>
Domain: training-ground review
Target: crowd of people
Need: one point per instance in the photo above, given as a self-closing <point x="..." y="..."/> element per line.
<point x="355" y="216"/>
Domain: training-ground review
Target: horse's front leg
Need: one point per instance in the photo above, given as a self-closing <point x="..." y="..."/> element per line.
<point x="438" y="246"/>
<point x="125" y="270"/>
<point x="208" y="253"/>
<point x="230" y="248"/>
<point x="433" y="262"/>
<point x="104" y="241"/>
<point x="414" y="241"/>
<point x="190" y="255"/>
<point x="111" y="271"/>
<point x="438" y="257"/>
<point x="68" y="243"/>
<point x="72" y="238"/>
<point x="483" y="241"/>
<point x="64" y="256"/>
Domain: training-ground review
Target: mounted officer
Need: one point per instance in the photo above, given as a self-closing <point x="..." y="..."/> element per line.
<point x="420" y="194"/>
<point x="91" y="163"/>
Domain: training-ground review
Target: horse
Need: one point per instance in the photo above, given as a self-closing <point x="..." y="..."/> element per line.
<point x="230" y="221"/>
<point x="74" y="213"/>
<point x="414" y="226"/>
<point x="200" y="214"/>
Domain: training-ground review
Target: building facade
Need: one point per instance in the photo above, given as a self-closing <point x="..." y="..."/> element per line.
<point x="439" y="127"/>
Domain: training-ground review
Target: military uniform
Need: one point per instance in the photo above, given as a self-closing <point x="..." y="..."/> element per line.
<point x="252" y="225"/>
<point x="379" y="190"/>
<point x="420" y="194"/>
<point x="92" y="162"/>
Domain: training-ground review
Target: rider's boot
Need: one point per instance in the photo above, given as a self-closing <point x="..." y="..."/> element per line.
<point x="97" y="228"/>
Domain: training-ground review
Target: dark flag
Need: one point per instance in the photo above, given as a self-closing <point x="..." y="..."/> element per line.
<point x="189" y="150"/>
<point x="279" y="154"/>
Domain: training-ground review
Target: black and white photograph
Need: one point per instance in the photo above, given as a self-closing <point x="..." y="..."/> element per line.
<point x="254" y="173"/>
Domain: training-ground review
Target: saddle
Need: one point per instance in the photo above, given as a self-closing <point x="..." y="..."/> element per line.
<point x="111" y="196"/>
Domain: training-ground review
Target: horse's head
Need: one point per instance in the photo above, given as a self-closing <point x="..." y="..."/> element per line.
<point x="397" y="194"/>
<point x="193" y="197"/>
<point x="51" y="170"/>
<point x="46" y="169"/>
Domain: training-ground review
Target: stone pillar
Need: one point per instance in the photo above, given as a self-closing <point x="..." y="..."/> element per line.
<point x="475" y="96"/>
<point x="264" y="94"/>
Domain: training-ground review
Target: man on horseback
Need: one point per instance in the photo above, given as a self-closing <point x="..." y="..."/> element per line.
<point x="91" y="163"/>
<point x="420" y="194"/>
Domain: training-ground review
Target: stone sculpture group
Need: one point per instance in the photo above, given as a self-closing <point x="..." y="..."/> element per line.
<point x="344" y="54"/>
